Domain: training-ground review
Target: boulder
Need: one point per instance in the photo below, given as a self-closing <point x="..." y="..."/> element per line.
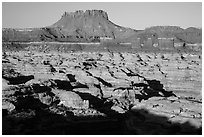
<point x="118" y="109"/>
<point x="45" y="98"/>
<point x="5" y="84"/>
<point x="70" y="99"/>
<point x="8" y="106"/>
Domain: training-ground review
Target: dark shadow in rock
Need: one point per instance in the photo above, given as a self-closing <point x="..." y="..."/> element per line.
<point x="22" y="90"/>
<point x="99" y="104"/>
<point x="100" y="90"/>
<point x="71" y="77"/>
<point x="46" y="123"/>
<point x="34" y="117"/>
<point x="39" y="121"/>
<point x="5" y="60"/>
<point x="4" y="112"/>
<point x="63" y="84"/>
<point x="156" y="85"/>
<point x="140" y="85"/>
<point x="123" y="88"/>
<point x="147" y="123"/>
<point x="105" y="83"/>
<point x="87" y="65"/>
<point x="61" y="71"/>
<point x="67" y="85"/>
<point x="153" y="89"/>
<point x="90" y="59"/>
<point x="28" y="102"/>
<point x="130" y="73"/>
<point x="43" y="122"/>
<point x="147" y="92"/>
<point x="40" y="89"/>
<point x="94" y="102"/>
<point x="79" y="85"/>
<point x="18" y="79"/>
<point x="52" y="69"/>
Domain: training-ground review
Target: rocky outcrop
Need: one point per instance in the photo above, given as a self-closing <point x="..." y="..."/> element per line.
<point x="71" y="99"/>
<point x="132" y="91"/>
<point x="89" y="25"/>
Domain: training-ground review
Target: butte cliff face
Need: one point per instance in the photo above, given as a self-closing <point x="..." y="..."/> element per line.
<point x="93" y="25"/>
<point x="79" y="26"/>
<point x="89" y="25"/>
<point x="84" y="24"/>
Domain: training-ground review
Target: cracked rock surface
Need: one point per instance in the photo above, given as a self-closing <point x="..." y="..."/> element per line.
<point x="101" y="93"/>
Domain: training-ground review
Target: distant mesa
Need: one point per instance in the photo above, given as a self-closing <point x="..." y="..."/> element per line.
<point x="95" y="26"/>
<point x="79" y="13"/>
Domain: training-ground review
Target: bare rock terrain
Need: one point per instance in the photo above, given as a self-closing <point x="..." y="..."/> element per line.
<point x="101" y="93"/>
<point x="86" y="75"/>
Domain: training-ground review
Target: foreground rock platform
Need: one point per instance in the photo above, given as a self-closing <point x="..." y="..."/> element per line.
<point x="101" y="93"/>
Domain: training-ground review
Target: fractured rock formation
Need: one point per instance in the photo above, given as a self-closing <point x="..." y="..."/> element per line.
<point x="81" y="92"/>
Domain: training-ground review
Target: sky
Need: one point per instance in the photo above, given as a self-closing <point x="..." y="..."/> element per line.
<point x="136" y="15"/>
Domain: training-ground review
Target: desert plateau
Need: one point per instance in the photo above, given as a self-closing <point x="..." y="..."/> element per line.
<point x="86" y="75"/>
